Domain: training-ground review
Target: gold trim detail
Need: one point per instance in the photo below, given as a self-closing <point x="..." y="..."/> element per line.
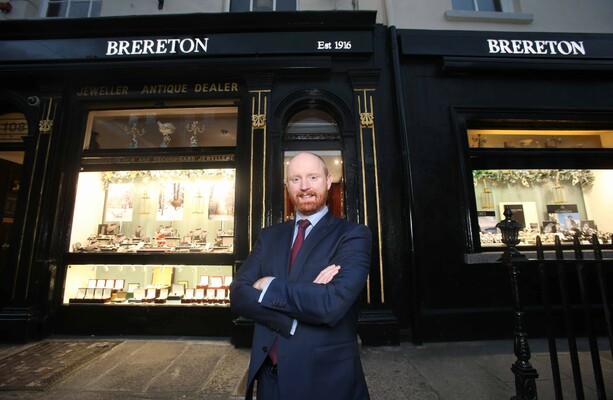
<point x="45" y="125"/>
<point x="366" y="110"/>
<point x="259" y="108"/>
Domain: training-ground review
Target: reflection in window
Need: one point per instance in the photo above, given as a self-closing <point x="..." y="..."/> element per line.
<point x="137" y="211"/>
<point x="540" y="139"/>
<point x="548" y="203"/>
<point x="162" y="128"/>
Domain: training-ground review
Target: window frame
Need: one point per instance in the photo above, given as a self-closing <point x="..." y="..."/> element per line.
<point x="48" y="3"/>
<point x="521" y="159"/>
<point x="274" y="6"/>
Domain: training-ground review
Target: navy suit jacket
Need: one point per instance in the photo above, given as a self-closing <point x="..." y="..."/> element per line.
<point x="321" y="360"/>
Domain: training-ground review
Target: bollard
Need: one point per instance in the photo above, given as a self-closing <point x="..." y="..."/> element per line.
<point x="525" y="374"/>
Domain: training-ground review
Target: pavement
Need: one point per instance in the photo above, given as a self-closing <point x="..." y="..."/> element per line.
<point x="212" y="368"/>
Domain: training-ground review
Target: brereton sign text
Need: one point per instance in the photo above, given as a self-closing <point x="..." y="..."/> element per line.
<point x="537" y="47"/>
<point x="156" y="46"/>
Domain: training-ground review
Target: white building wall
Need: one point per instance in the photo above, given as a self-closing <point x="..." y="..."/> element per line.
<point x="593" y="16"/>
<point x="112" y="8"/>
<point x="572" y="16"/>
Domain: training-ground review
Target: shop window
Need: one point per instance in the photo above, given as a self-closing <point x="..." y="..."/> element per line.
<point x="162" y="128"/>
<point x="540" y="139"/>
<point x="154" y="211"/>
<point x="263" y="5"/>
<point x="548" y="202"/>
<point x="144" y="284"/>
<point x="73" y="8"/>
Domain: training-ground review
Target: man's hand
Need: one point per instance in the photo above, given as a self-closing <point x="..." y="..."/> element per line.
<point x="326" y="275"/>
<point x="261" y="283"/>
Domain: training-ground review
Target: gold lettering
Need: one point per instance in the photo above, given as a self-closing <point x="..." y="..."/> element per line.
<point x="102" y="91"/>
<point x="216" y="87"/>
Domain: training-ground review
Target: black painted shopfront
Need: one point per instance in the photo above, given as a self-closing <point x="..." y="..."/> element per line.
<point x="144" y="154"/>
<point x="490" y="120"/>
<point x="154" y="153"/>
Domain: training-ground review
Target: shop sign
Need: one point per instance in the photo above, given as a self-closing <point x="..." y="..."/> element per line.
<point x="254" y="43"/>
<point x="157" y="89"/>
<point x="507" y="44"/>
<point x="537" y="47"/>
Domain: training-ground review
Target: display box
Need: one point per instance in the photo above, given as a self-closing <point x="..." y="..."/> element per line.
<point x="204" y="282"/>
<point x="120" y="297"/>
<point x="216" y="282"/>
<point x="150" y="295"/>
<point x="189" y="296"/>
<point x="162" y="297"/>
<point x="199" y="295"/>
<point x="80" y="297"/>
<point x="221" y="296"/>
<point x="138" y="296"/>
<point x="177" y="291"/>
<point x="119" y="284"/>
<point x="210" y="295"/>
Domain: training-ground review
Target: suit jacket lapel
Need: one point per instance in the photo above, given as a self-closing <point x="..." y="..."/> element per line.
<point x="319" y="232"/>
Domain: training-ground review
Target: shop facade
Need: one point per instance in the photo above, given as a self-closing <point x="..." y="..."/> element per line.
<point x="152" y="157"/>
<point x="141" y="159"/>
<point x="494" y="120"/>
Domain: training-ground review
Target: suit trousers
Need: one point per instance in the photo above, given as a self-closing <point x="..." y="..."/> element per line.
<point x="267" y="382"/>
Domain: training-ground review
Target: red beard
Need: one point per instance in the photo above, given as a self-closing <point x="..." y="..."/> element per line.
<point x="310" y="205"/>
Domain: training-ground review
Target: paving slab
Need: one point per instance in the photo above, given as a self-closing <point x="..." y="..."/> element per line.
<point x="185" y="368"/>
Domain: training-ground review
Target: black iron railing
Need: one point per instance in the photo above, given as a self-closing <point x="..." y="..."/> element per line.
<point x="576" y="304"/>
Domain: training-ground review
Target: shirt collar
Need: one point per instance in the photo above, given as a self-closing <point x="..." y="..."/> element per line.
<point x="313" y="219"/>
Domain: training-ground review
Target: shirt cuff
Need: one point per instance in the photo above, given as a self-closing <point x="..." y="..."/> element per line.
<point x="294" y="326"/>
<point x="265" y="289"/>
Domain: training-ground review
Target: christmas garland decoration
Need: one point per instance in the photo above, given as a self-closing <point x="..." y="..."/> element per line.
<point x="528" y="178"/>
<point x="168" y="175"/>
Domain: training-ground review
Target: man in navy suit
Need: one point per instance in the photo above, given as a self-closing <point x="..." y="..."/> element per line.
<point x="305" y="339"/>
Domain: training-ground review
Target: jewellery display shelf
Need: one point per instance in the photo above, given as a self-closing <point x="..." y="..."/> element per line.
<point x="156" y="285"/>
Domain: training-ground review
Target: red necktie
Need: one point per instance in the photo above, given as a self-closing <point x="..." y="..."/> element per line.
<point x="302" y="225"/>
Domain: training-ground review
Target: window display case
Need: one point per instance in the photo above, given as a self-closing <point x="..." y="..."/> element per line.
<point x="535" y="173"/>
<point x="547" y="203"/>
<point x="145" y="211"/>
<point x="154" y="212"/>
<point x="204" y="285"/>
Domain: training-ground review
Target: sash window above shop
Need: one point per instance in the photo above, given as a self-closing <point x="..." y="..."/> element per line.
<point x="477" y="5"/>
<point x="73" y="8"/>
<point x="263" y="5"/>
